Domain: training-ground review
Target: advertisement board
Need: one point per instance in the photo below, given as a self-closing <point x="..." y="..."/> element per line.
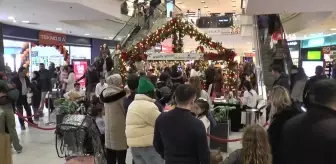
<point x="80" y="66"/>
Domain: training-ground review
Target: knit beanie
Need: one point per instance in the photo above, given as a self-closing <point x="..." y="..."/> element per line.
<point x="145" y="86"/>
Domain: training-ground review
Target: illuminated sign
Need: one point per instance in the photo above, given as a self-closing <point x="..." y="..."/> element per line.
<point x="316" y="42"/>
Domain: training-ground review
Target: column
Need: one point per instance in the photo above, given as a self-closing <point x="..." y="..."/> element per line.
<point x="2" y="61"/>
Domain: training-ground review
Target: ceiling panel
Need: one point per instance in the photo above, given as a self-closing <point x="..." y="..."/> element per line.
<point x="256" y="7"/>
<point x="50" y="15"/>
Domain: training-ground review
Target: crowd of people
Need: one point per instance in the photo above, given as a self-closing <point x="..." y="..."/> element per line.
<point x="133" y="115"/>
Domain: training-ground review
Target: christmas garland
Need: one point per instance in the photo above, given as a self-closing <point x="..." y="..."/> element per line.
<point x="177" y="29"/>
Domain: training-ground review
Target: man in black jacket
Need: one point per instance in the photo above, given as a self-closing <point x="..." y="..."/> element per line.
<point x="282" y="78"/>
<point x="45" y="77"/>
<point x="91" y="80"/>
<point x="178" y="136"/>
<point x="319" y="75"/>
<point x="105" y="64"/>
<point x="310" y="138"/>
<point x="22" y="83"/>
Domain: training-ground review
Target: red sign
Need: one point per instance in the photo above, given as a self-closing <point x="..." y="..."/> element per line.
<point x="51" y="38"/>
<point x="80" y="69"/>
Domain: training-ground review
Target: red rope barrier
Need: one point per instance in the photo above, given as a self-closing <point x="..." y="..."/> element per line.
<point x="31" y="124"/>
<point x="27" y="116"/>
<point x="223" y="140"/>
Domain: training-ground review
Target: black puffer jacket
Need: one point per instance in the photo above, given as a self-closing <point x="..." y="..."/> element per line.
<point x="275" y="131"/>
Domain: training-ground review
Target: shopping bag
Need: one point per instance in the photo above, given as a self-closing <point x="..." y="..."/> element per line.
<point x="5" y="149"/>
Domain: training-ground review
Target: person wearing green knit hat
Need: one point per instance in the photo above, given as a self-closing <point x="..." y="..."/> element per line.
<point x="140" y="120"/>
<point x="146" y="87"/>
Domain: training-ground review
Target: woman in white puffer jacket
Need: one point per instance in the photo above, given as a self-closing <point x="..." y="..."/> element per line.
<point x="140" y="121"/>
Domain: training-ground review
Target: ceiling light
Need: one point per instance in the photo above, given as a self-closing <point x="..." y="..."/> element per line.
<point x="333" y="29"/>
<point x="86" y="34"/>
<point x="25" y="21"/>
<point x="58" y="29"/>
<point x="205" y="6"/>
<point x="11" y="18"/>
<point x="14" y="21"/>
<point x="202" y="1"/>
<point x="179" y="2"/>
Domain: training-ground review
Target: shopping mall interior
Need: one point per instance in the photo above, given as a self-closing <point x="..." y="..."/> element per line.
<point x="149" y="36"/>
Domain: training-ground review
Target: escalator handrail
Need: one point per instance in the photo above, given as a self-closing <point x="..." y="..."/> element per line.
<point x="156" y="9"/>
<point x="126" y="23"/>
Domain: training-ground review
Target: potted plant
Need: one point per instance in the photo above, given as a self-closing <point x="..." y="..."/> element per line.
<point x="64" y="107"/>
<point x="222" y="130"/>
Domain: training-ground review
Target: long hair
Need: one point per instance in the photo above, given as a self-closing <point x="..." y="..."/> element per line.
<point x="279" y="100"/>
<point x="195" y="82"/>
<point x="256" y="148"/>
<point x="301" y="75"/>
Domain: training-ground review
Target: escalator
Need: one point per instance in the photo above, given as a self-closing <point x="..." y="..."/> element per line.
<point x="137" y="27"/>
<point x="266" y="52"/>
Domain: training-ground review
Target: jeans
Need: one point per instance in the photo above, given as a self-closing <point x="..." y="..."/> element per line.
<point x="22" y="101"/>
<point x="146" y="155"/>
<point x="43" y="96"/>
<point x="7" y="117"/>
<point x="113" y="156"/>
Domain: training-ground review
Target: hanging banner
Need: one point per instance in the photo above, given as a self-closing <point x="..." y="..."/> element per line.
<point x="175" y="56"/>
<point x="51" y="38"/>
<point x="79" y="67"/>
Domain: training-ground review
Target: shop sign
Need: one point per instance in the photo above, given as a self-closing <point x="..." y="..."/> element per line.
<point x="249" y="54"/>
<point x="51" y="38"/>
<point x="217" y="31"/>
<point x="175" y="56"/>
<point x="79" y="70"/>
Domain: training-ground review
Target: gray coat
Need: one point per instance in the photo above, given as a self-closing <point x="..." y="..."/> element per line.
<point x="115" y="118"/>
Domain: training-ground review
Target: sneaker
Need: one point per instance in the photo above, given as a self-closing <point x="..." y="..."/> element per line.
<point x="23" y="127"/>
<point x="19" y="151"/>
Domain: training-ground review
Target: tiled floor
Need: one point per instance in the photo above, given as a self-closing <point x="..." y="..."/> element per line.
<point x="39" y="146"/>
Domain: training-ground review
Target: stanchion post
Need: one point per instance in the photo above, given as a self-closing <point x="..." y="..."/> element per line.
<point x="49" y="110"/>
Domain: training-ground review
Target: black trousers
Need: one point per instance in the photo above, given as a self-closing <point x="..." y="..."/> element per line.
<point x="113" y="156"/>
<point x="20" y="104"/>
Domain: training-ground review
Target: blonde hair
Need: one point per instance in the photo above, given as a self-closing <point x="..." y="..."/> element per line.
<point x="279" y="100"/>
<point x="195" y="82"/>
<point x="256" y="148"/>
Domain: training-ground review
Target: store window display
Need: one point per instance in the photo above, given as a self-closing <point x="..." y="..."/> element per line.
<point x="12" y="53"/>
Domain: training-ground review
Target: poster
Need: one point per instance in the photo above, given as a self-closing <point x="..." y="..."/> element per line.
<point x="80" y="67"/>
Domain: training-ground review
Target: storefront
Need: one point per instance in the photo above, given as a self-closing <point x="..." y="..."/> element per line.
<point x="43" y="46"/>
<point x="313" y="53"/>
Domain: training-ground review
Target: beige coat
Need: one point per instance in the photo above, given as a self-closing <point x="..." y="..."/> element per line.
<point x="115" y="117"/>
<point x="140" y="121"/>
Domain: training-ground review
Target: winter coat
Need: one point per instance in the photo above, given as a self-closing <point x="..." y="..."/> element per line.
<point x="297" y="90"/>
<point x="283" y="81"/>
<point x="275" y="132"/>
<point x="70" y="82"/>
<point x="236" y="157"/>
<point x="140" y="121"/>
<point x="310" y="137"/>
<point x="45" y="77"/>
<point x="115" y="117"/>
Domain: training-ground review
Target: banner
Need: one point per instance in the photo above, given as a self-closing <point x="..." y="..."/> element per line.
<point x="80" y="67"/>
<point x="175" y="56"/>
<point x="51" y="38"/>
